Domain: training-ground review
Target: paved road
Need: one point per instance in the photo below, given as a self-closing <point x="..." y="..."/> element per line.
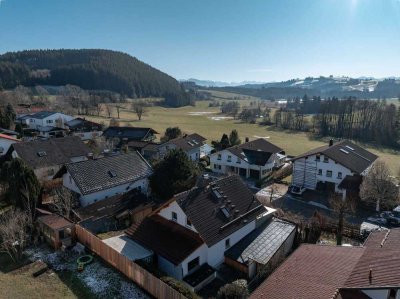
<point x="292" y="204"/>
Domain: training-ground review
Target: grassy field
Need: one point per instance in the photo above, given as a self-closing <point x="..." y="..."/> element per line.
<point x="18" y="282"/>
<point x="208" y="122"/>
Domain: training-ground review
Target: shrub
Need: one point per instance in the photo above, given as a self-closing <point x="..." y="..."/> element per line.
<point x="234" y="290"/>
<point x="180" y="287"/>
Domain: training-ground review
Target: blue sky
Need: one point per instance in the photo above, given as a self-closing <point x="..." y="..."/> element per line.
<point x="236" y="40"/>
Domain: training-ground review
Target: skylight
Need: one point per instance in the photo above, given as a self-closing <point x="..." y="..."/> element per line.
<point x="344" y="151"/>
<point x="112" y="173"/>
<point x="217" y="194"/>
<point x="42" y="154"/>
<point x="350" y="148"/>
<point x="225" y="211"/>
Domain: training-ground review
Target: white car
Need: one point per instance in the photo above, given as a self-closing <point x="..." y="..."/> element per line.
<point x="297" y="190"/>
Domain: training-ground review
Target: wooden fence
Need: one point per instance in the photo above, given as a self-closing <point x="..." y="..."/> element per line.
<point x="133" y="271"/>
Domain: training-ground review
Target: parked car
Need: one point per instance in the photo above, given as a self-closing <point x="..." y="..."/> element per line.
<point x="391" y="218"/>
<point x="297" y="190"/>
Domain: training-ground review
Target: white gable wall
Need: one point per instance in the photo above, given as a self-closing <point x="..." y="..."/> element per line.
<point x="51" y="120"/>
<point x="5" y="145"/>
<point x="88" y="199"/>
<point x="174" y="207"/>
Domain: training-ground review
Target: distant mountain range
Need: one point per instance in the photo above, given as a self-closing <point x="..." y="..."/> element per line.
<point x="210" y="83"/>
<point x="363" y="87"/>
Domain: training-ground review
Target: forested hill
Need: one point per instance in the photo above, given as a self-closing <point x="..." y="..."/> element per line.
<point x="92" y="70"/>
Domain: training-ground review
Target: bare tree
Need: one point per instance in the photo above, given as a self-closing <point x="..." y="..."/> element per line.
<point x="377" y="186"/>
<point x="139" y="108"/>
<point x="339" y="205"/>
<point x="13" y="233"/>
<point x="63" y="201"/>
<point x="118" y="108"/>
<point x="109" y="110"/>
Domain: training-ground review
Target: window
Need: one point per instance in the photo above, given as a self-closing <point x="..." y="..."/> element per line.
<point x="238" y="161"/>
<point x="219" y="156"/>
<point x="326" y="159"/>
<point x="219" y="167"/>
<point x="329" y="173"/>
<point x="188" y="223"/>
<point x="215" y="166"/>
<point x="318" y="158"/>
<point x="49" y="121"/>
<point x="339" y="175"/>
<point x="193" y="263"/>
<point x="319" y="171"/>
<point x="229" y="158"/>
<point x="174" y="216"/>
<point x="227" y="243"/>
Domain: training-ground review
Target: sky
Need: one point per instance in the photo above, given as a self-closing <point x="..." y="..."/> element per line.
<point x="233" y="41"/>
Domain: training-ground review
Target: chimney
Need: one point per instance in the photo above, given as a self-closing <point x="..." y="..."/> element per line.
<point x="330" y="142"/>
<point x="247" y="139"/>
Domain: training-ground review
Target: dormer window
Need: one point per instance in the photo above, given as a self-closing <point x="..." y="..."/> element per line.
<point x="174" y="216"/>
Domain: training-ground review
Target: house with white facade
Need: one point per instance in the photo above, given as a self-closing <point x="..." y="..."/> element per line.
<point x="198" y="226"/>
<point x="191" y="144"/>
<point x="46" y="157"/>
<point x="97" y="179"/>
<point x="327" y="166"/>
<point x="254" y="159"/>
<point x="46" y="119"/>
<point x="5" y="143"/>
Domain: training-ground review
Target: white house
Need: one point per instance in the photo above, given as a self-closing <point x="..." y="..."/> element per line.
<point x="5" y="143"/>
<point x="329" y="165"/>
<point x="190" y="144"/>
<point x="97" y="179"/>
<point x="210" y="219"/>
<point x="84" y="129"/>
<point x="255" y="159"/>
<point x="46" y="157"/>
<point x="46" y="119"/>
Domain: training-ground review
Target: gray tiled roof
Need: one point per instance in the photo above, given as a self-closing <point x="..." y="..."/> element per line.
<point x="262" y="243"/>
<point x="100" y="174"/>
<point x="58" y="151"/>
<point x="347" y="153"/>
<point x="188" y="142"/>
<point x="42" y="114"/>
<point x="204" y="208"/>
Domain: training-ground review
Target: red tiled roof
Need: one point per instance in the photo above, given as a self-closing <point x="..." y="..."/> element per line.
<point x="9" y="137"/>
<point x="166" y="238"/>
<point x="312" y="271"/>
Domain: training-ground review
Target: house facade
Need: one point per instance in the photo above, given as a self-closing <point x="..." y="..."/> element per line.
<point x="218" y="216"/>
<point x="255" y="159"/>
<point x="329" y="165"/>
<point x="191" y="144"/>
<point x="46" y="119"/>
<point x="97" y="179"/>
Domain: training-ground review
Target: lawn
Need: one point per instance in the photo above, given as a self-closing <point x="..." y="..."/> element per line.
<point x="208" y="122"/>
<point x="18" y="282"/>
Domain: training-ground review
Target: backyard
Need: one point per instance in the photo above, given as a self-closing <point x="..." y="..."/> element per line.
<point x="62" y="280"/>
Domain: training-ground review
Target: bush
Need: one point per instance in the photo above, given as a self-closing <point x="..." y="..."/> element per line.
<point x="180" y="287"/>
<point x="234" y="290"/>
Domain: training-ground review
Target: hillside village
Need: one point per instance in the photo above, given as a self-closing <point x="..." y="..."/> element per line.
<point x="184" y="217"/>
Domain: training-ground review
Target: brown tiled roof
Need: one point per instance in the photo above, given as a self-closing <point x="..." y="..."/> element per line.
<point x="312" y="271"/>
<point x="166" y="238"/>
<point x="256" y="152"/>
<point x="345" y="152"/>
<point x="188" y="142"/>
<point x="112" y="206"/>
<point x="382" y="257"/>
<point x="204" y="211"/>
<point x="146" y="145"/>
<point x="58" y="151"/>
<point x="54" y="221"/>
